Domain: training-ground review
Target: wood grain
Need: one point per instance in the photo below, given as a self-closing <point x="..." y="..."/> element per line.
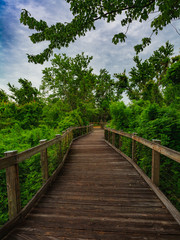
<point x="98" y="195"/>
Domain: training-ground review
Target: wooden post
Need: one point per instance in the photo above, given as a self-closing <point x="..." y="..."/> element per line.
<point x="44" y="162"/>
<point x="108" y="136"/>
<point x="134" y="157"/>
<point x="71" y="134"/>
<point x="120" y="141"/>
<point x="155" y="164"/>
<point x="67" y="138"/>
<point x="13" y="187"/>
<point x="113" y="138"/>
<point x="59" y="147"/>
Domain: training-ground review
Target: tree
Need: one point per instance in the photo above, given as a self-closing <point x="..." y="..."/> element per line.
<point x="86" y="13"/>
<point x="3" y="96"/>
<point x="145" y="81"/>
<point x="106" y="91"/>
<point x="171" y="83"/>
<point x="69" y="79"/>
<point x="25" y="94"/>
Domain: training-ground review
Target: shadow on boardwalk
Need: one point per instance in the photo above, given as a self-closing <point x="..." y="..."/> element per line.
<point x="98" y="195"/>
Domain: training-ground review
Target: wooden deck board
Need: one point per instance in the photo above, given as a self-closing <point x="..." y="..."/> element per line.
<point x="98" y="195"/>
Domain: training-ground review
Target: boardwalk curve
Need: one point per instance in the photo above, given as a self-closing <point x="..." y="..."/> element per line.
<point x="98" y="195"/>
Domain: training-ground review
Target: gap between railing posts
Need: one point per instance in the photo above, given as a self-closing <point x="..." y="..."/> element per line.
<point x="12" y="158"/>
<point x="157" y="149"/>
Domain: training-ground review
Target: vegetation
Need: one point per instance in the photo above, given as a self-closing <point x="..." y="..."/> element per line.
<point x="154" y="113"/>
<point x="71" y="95"/>
<point x="86" y="13"/>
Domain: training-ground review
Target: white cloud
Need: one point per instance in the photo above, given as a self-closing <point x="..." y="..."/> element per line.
<point x="98" y="43"/>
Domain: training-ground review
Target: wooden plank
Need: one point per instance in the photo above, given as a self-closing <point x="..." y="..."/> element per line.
<point x="21" y="215"/>
<point x="170" y="153"/>
<point x="19" y="218"/>
<point x="98" y="201"/>
<point x="174" y="212"/>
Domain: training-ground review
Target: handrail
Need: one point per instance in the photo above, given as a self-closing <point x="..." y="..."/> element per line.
<point x="12" y="159"/>
<point x="170" y="153"/>
<point x="19" y="157"/>
<point x="157" y="149"/>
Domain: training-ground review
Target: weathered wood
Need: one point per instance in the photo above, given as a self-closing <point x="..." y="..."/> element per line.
<point x="155" y="165"/>
<point x="13" y="187"/>
<point x="170" y="153"/>
<point x="4" y="162"/>
<point x="134" y="157"/>
<point x="95" y="197"/>
<point x="120" y="141"/>
<point x="44" y="162"/>
<point x="174" y="212"/>
<point x="59" y="154"/>
<point x="113" y="139"/>
<point x="22" y="214"/>
<point x="11" y="160"/>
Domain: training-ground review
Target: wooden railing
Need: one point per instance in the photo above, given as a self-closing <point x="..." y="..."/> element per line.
<point x="13" y="158"/>
<point x="157" y="149"/>
<point x="114" y="139"/>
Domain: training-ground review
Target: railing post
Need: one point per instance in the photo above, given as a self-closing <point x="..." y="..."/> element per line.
<point x="59" y="147"/>
<point x="155" y="164"/>
<point x="134" y="158"/>
<point x="108" y="136"/>
<point x="113" y="138"/>
<point x="67" y="138"/>
<point x="44" y="162"/>
<point x="13" y="187"/>
<point x="120" y="141"/>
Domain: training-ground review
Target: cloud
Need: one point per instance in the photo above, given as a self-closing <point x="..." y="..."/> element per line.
<point x="15" y="42"/>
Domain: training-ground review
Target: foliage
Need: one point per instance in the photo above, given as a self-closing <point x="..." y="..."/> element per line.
<point x="27" y="115"/>
<point x="25" y="94"/>
<point x="73" y="118"/>
<point x="151" y="121"/>
<point x="69" y="79"/>
<point x="86" y="13"/>
<point x="3" y="96"/>
<point x="74" y="96"/>
<point x="106" y="90"/>
<point x="146" y="79"/>
<point x="172" y="84"/>
<point x="70" y="84"/>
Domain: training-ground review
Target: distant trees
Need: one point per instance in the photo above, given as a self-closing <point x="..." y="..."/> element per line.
<point x="69" y="79"/>
<point x="106" y="91"/>
<point x="72" y="82"/>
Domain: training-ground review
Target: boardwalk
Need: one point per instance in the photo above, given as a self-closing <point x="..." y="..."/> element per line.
<point x="98" y="195"/>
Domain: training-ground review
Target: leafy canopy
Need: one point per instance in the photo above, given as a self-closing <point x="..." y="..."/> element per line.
<point x="86" y="13"/>
<point x="147" y="77"/>
<point x="3" y="96"/>
<point x="69" y="79"/>
<point x="25" y="94"/>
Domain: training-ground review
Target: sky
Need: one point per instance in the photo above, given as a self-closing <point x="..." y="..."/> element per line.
<point x="15" y="42"/>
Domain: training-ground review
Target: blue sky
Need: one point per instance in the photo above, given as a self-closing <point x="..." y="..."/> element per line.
<point x="15" y="43"/>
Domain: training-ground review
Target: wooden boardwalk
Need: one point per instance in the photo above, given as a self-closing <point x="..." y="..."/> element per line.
<point x="98" y="195"/>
